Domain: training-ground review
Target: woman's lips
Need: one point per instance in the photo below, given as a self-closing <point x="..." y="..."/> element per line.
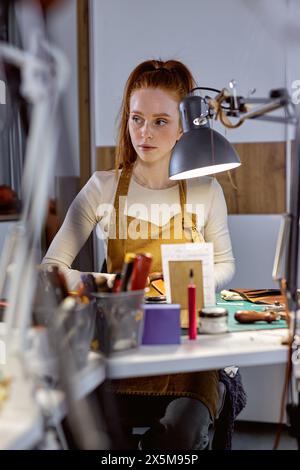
<point x="146" y="147"/>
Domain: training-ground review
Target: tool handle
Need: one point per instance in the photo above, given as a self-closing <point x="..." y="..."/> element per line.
<point x="251" y="316"/>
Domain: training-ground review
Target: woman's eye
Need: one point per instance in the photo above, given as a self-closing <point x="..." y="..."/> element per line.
<point x="136" y="119"/>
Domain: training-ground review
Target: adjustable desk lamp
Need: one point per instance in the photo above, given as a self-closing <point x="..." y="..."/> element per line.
<point x="203" y="151"/>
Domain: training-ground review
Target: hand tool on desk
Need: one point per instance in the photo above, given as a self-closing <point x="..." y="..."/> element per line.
<point x="276" y="307"/>
<point x="261" y="296"/>
<point x="278" y="310"/>
<point x="257" y="292"/>
<point x="252" y="316"/>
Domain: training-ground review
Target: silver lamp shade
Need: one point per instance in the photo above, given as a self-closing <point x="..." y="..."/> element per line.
<point x="201" y="150"/>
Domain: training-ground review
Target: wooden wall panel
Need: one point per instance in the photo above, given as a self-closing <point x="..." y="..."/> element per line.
<point x="84" y="89"/>
<point x="105" y="158"/>
<point x="85" y="258"/>
<point x="258" y="186"/>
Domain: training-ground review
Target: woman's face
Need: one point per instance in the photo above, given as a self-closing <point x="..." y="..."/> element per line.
<point x="153" y="123"/>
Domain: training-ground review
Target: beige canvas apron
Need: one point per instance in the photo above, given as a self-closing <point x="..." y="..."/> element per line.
<point x="199" y="385"/>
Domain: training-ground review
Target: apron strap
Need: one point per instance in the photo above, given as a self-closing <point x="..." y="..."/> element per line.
<point x="123" y="185"/>
<point x="122" y="190"/>
<point x="187" y="221"/>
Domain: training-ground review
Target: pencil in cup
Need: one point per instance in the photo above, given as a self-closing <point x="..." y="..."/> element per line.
<point x="127" y="271"/>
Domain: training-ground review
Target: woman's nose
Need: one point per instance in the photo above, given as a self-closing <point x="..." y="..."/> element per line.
<point x="146" y="131"/>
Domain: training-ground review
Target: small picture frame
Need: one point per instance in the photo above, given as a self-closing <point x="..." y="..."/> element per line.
<point x="179" y="273"/>
<point x="197" y="256"/>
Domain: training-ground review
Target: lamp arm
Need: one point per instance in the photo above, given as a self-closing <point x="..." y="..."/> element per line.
<point x="267" y="108"/>
<point x="277" y="119"/>
<point x="239" y="107"/>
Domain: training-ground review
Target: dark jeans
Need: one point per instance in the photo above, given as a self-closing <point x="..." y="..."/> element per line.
<point x="175" y="423"/>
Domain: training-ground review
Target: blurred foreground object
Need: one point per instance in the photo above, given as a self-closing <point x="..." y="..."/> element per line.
<point x="9" y="201"/>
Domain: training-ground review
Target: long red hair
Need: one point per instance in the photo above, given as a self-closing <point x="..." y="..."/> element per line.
<point x="170" y="75"/>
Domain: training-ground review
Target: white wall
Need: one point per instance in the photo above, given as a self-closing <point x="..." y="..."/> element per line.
<point x="247" y="42"/>
<point x="218" y="40"/>
<point x="254" y="239"/>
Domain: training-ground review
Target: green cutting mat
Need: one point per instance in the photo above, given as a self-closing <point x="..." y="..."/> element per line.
<point x="233" y="305"/>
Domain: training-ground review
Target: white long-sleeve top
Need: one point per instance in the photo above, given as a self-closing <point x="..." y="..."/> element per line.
<point x="93" y="208"/>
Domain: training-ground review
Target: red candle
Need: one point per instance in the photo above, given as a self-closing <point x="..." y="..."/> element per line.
<point x="192" y="307"/>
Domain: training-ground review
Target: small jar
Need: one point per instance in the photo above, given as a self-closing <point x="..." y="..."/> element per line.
<point x="213" y="320"/>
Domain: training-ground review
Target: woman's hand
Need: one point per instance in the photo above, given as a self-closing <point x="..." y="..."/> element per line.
<point x="102" y="277"/>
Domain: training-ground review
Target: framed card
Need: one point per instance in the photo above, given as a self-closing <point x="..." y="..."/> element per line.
<point x="198" y="256"/>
